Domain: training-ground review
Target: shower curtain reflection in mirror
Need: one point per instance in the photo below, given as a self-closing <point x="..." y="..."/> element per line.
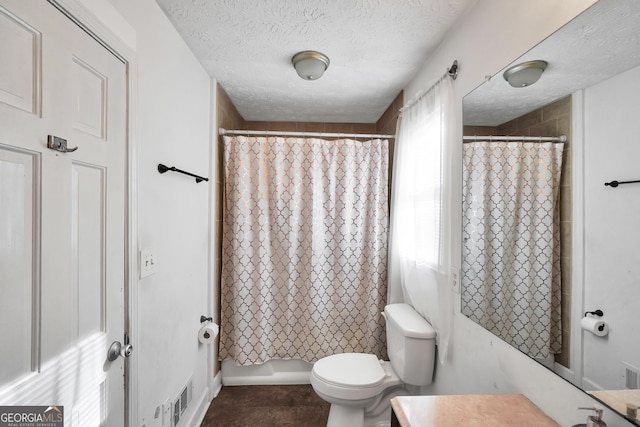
<point x="511" y="242"/>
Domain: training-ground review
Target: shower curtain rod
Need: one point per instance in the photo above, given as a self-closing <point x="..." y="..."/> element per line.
<point x="223" y="131"/>
<point x="561" y="138"/>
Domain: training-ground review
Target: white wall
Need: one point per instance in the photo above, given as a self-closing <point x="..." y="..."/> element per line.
<point x="487" y="38"/>
<point x="172" y="124"/>
<point x="612" y="271"/>
<point x="173" y="128"/>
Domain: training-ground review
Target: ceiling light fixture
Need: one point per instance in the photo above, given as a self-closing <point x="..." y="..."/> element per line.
<point x="525" y="74"/>
<point x="309" y="64"/>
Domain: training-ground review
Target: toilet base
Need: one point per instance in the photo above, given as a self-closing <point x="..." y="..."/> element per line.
<point x="381" y="420"/>
<point x="377" y="414"/>
<point x="345" y="416"/>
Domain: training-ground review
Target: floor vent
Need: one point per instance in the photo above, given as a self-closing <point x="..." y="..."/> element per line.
<point x="182" y="402"/>
<point x="630" y="377"/>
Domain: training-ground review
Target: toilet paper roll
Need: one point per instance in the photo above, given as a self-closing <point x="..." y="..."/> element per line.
<point x="208" y="333"/>
<point x="595" y="326"/>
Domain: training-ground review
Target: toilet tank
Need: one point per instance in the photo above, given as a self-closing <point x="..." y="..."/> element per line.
<point x="411" y="344"/>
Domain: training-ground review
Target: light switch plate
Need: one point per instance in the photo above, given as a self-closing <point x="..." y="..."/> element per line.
<point x="147" y="263"/>
<point x="455" y="279"/>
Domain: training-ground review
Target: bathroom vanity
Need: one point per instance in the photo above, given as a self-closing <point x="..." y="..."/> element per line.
<point x="469" y="410"/>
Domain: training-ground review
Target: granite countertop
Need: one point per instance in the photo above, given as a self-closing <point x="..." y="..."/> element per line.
<point x="469" y="410"/>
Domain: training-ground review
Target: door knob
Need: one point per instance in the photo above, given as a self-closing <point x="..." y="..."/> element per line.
<point x="117" y="349"/>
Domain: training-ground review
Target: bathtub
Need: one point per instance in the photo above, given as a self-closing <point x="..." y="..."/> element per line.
<point x="273" y="372"/>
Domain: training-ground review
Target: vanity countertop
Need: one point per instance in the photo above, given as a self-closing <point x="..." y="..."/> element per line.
<point x="471" y="410"/>
<point x="618" y="399"/>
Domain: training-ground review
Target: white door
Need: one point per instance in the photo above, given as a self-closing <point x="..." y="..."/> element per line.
<point x="62" y="216"/>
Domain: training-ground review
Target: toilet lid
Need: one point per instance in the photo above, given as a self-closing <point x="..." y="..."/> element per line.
<point x="350" y="369"/>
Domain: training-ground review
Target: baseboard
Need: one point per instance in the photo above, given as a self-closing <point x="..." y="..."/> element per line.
<point x="200" y="412"/>
<point x="216" y="386"/>
<point x="587" y="384"/>
<point x="205" y="401"/>
<point x="565" y="373"/>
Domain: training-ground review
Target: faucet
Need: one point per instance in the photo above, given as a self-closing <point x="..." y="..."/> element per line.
<point x="594" y="420"/>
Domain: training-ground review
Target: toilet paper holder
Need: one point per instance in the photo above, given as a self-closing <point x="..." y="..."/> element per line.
<point x="598" y="313"/>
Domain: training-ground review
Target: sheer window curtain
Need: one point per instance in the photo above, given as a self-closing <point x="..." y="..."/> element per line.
<point x="420" y="221"/>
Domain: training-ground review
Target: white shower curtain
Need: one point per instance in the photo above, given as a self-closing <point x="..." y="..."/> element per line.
<point x="304" y="248"/>
<point x="511" y="242"/>
<point x="420" y="242"/>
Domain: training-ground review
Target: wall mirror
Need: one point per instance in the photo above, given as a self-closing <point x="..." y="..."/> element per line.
<point x="545" y="243"/>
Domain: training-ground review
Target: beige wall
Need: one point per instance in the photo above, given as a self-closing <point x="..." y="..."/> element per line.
<point x="228" y="117"/>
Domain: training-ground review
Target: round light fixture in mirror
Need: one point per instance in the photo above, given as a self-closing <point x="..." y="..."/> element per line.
<point x="525" y="74"/>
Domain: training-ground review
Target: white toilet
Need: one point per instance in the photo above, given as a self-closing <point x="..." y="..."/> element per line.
<point x="356" y="383"/>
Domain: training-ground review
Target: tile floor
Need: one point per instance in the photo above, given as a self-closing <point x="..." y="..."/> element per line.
<point x="265" y="406"/>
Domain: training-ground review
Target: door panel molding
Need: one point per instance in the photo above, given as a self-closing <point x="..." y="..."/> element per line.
<point x="89" y="99"/>
<point x="20" y="184"/>
<point x="25" y="93"/>
<point x="88" y="253"/>
<point x="59" y="374"/>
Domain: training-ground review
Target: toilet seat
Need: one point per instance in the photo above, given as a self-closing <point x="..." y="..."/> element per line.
<point x="351" y="376"/>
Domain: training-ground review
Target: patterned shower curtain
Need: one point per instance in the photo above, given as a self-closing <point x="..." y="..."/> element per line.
<point x="304" y="248"/>
<point x="511" y="242"/>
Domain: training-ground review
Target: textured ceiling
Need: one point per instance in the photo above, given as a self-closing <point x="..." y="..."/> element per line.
<point x="600" y="43"/>
<point x="375" y="48"/>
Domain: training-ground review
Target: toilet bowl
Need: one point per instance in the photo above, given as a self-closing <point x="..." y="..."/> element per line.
<point x="351" y="382"/>
<point x="358" y="383"/>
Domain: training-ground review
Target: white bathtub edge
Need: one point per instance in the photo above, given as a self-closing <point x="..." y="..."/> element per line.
<point x="274" y="372"/>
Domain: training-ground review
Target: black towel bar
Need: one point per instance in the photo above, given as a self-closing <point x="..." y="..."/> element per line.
<point x="614" y="184"/>
<point x="162" y="169"/>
